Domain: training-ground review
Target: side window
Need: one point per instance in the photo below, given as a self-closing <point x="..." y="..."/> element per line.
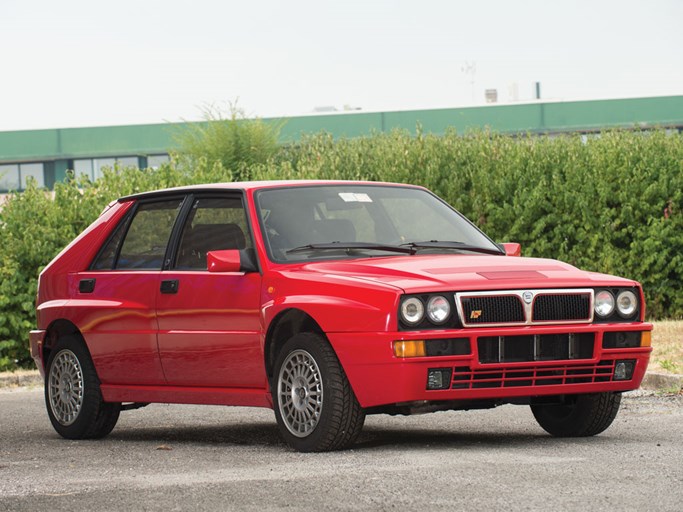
<point x="213" y="224"/>
<point x="107" y="256"/>
<point x="143" y="245"/>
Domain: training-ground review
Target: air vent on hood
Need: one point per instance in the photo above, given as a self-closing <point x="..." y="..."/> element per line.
<point x="514" y="274"/>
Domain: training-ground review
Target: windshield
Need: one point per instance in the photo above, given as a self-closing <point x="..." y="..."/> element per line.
<point x="347" y="221"/>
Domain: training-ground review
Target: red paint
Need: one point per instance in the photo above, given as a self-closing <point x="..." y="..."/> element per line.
<point x="223" y="261"/>
<point x="205" y="341"/>
<point x="512" y="249"/>
<point x="210" y="332"/>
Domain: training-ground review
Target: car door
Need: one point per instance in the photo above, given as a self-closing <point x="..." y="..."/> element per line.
<point x="118" y="295"/>
<point x="209" y="327"/>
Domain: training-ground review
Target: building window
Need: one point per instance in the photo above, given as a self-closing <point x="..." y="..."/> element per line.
<point x="99" y="164"/>
<point x="34" y="171"/>
<point x="83" y="167"/>
<point x="128" y="161"/>
<point x="9" y="177"/>
<point x="93" y="167"/>
<point x="154" y="161"/>
<point x="15" y="176"/>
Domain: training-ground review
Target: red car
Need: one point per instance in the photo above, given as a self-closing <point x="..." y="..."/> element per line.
<point x="325" y="301"/>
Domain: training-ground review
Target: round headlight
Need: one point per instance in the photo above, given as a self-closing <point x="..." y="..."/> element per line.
<point x="438" y="309"/>
<point x="412" y="311"/>
<point x="627" y="303"/>
<point x="604" y="304"/>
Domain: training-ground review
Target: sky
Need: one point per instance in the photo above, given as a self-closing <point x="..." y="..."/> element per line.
<point x="75" y="63"/>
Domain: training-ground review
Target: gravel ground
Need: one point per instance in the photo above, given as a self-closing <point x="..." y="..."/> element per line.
<point x="176" y="457"/>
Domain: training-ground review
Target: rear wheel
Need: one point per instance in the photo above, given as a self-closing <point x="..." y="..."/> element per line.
<point x="72" y="393"/>
<point x="579" y="416"/>
<point x="315" y="407"/>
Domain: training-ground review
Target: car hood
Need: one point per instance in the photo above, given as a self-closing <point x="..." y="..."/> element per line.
<point x="429" y="273"/>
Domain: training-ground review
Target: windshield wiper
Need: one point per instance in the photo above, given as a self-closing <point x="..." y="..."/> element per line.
<point x="350" y="246"/>
<point x="437" y="244"/>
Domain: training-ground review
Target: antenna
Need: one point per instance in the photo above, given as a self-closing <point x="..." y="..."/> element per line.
<point x="470" y="68"/>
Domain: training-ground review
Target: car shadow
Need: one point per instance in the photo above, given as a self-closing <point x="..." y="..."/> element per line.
<point x="265" y="434"/>
<point x="417" y="438"/>
<point x="254" y="433"/>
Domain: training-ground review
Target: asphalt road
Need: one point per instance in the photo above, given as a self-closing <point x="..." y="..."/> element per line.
<point x="168" y="457"/>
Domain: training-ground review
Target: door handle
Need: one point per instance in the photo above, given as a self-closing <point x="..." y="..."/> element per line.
<point x="169" y="286"/>
<point x="86" y="285"/>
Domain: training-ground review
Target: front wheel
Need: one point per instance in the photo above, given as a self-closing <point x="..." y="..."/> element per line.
<point x="315" y="407"/>
<point x="72" y="393"/>
<point x="579" y="415"/>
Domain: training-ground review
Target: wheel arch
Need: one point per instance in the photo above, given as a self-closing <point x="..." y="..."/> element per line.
<point x="286" y="324"/>
<point x="57" y="329"/>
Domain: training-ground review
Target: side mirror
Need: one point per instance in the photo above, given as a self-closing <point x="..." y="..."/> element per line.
<point x="223" y="261"/>
<point x="232" y="260"/>
<point x="512" y="249"/>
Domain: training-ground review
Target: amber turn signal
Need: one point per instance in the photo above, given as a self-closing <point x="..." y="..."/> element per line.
<point x="409" y="348"/>
<point x="646" y="339"/>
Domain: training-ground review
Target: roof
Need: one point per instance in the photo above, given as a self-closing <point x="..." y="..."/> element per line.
<point x="255" y="185"/>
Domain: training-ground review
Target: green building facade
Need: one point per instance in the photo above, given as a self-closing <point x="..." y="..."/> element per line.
<point x="46" y="155"/>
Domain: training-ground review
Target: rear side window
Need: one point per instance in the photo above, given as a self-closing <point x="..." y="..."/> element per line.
<point x="143" y="245"/>
<point x="107" y="257"/>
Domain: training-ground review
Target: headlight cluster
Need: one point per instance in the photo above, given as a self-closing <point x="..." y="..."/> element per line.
<point x="435" y="308"/>
<point x="412" y="311"/>
<point x="622" y="302"/>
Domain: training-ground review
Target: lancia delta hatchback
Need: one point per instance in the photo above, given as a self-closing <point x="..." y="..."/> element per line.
<point x="325" y="301"/>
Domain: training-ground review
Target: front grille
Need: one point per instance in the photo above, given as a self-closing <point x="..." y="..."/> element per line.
<point x="525" y="307"/>
<point x="493" y="310"/>
<point x="539" y="347"/>
<point x="548" y="308"/>
<point x="466" y="378"/>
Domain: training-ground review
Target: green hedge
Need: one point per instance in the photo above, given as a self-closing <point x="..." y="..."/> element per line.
<point x="610" y="203"/>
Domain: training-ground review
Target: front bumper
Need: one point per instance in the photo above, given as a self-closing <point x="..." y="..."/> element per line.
<point x="380" y="378"/>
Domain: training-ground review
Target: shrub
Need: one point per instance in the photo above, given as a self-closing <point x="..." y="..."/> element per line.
<point x="609" y="204"/>
<point x="233" y="141"/>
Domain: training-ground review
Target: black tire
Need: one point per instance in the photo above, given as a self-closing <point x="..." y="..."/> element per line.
<point x="579" y="416"/>
<point x="72" y="393"/>
<point x="315" y="407"/>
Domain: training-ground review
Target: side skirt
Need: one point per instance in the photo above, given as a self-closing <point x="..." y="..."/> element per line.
<point x="187" y="395"/>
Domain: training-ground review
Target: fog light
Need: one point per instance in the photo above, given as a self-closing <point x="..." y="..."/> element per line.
<point x="623" y="370"/>
<point x="448" y="347"/>
<point x="629" y="339"/>
<point x="439" y="378"/>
